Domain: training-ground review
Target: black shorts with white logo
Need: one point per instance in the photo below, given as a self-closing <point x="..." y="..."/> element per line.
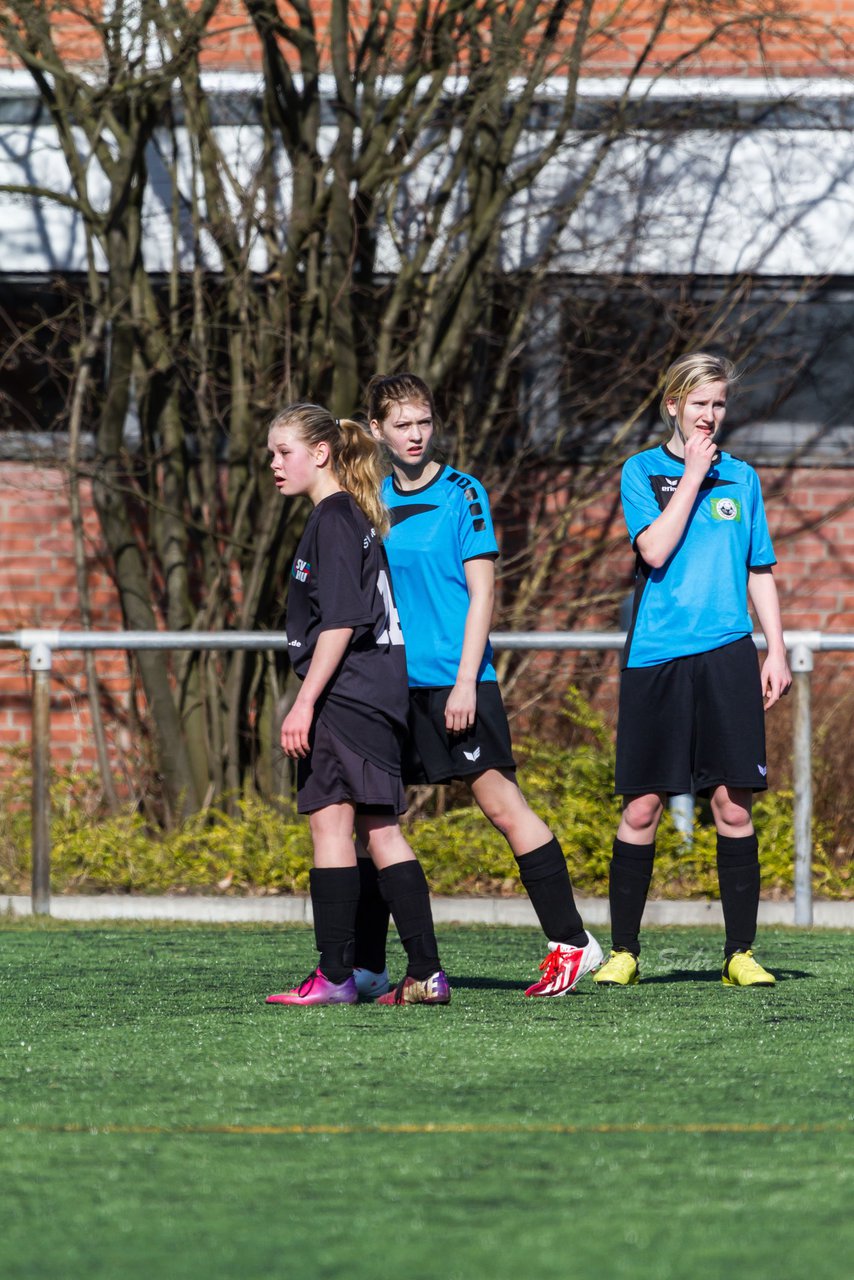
<point x="334" y="773"/>
<point x="431" y="754"/>
<point x="692" y="724"/>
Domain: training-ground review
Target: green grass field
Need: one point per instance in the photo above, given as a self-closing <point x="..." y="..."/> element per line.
<point x="158" y="1120"/>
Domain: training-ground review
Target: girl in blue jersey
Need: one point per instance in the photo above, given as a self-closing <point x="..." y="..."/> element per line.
<point x="442" y="552"/>
<point x="347" y="722"/>
<point x="692" y="698"/>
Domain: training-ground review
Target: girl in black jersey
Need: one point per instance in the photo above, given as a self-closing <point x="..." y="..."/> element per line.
<point x="442" y="552"/>
<point x="346" y="724"/>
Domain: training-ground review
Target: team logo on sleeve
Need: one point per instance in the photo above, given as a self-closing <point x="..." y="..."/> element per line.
<point x="726" y="509"/>
<point x="301" y="570"/>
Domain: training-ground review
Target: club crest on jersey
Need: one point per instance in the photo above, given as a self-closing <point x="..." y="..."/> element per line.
<point x="726" y="509"/>
<point x="301" y="570"/>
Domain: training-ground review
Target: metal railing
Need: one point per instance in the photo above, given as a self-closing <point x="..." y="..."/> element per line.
<point x="41" y="645"/>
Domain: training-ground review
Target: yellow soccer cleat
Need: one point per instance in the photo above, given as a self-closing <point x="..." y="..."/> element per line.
<point x="620" y="970"/>
<point x="741" y="970"/>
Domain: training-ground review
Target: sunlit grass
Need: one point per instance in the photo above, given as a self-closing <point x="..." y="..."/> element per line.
<point x="157" y="1119"/>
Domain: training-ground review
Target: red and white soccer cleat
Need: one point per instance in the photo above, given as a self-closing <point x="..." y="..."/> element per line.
<point x="564" y="966"/>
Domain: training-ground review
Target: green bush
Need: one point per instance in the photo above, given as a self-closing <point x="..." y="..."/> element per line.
<point x="262" y="848"/>
<point x="259" y="848"/>
<point x="572" y="790"/>
<point x="266" y="848"/>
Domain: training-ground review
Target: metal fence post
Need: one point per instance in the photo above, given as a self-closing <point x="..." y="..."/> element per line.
<point x="802" y="666"/>
<point x="41" y="657"/>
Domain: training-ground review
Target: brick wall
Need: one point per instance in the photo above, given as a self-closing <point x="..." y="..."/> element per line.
<point x="38" y="589"/>
<point x="811" y="513"/>
<point x="815" y="45"/>
<point x="726" y="41"/>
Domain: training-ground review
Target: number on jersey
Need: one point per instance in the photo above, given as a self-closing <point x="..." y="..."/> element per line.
<point x="391" y="632"/>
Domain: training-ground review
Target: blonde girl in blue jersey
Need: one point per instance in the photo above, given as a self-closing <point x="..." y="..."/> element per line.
<point x="692" y="697"/>
<point x="442" y="552"/>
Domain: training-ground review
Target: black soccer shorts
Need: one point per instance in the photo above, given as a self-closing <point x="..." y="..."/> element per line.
<point x="334" y="773"/>
<point x="692" y="724"/>
<point x="431" y="754"/>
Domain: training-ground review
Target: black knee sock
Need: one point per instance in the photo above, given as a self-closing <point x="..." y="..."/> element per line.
<point x="404" y="887"/>
<point x="544" y="874"/>
<point x="631" y="872"/>
<point x="372" y="918"/>
<point x="738" y="877"/>
<point x="334" y="897"/>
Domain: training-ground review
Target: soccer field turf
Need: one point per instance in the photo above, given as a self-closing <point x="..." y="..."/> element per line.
<point x="158" y="1120"/>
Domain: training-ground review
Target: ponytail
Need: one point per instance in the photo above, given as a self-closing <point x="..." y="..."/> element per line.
<point x="359" y="469"/>
<point x="354" y="454"/>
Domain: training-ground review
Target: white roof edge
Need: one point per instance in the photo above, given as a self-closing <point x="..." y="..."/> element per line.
<point x="19" y="82"/>
<point x="782" y="88"/>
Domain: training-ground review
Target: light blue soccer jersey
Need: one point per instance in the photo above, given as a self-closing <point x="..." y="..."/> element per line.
<point x="434" y="530"/>
<point x="698" y="600"/>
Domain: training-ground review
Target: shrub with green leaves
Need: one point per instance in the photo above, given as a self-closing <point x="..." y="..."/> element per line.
<point x="265" y="848"/>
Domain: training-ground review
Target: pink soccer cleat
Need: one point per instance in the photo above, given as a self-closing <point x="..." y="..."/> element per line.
<point x="317" y="989"/>
<point x="564" y="966"/>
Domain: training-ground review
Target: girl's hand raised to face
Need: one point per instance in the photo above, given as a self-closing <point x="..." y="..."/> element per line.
<point x="700" y="450"/>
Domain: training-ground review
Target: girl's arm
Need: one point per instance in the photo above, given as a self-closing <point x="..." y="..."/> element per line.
<point x="328" y="652"/>
<point x="660" y="539"/>
<point x="776" y="676"/>
<point x="462" y="700"/>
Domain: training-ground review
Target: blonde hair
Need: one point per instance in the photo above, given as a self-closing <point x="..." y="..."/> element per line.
<point x="355" y="455"/>
<point x="687" y="374"/>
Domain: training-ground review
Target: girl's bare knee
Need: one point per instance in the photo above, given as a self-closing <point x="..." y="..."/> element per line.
<point x="384" y="840"/>
<point x="642" y="813"/>
<point x="500" y="817"/>
<point x="732" y="811"/>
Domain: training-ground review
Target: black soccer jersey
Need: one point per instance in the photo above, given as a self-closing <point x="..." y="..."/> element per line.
<point x="340" y="578"/>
